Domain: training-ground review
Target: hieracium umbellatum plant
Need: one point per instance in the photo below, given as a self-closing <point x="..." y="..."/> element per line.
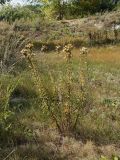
<point x="68" y="51"/>
<point x="62" y="101"/>
<point x="68" y="106"/>
<point x="45" y="99"/>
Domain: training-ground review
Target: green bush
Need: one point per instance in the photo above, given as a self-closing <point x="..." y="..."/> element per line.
<point x="10" y="13"/>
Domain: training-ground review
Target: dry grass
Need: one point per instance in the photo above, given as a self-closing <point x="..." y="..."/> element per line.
<point x="4" y="26"/>
<point x="97" y="54"/>
<point x="106" y="55"/>
<point x="52" y="147"/>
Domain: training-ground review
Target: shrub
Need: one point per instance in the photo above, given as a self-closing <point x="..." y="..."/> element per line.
<point x="10" y="13"/>
<point x="65" y="98"/>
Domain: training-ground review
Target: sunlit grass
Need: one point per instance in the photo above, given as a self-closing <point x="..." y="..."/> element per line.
<point x="110" y="54"/>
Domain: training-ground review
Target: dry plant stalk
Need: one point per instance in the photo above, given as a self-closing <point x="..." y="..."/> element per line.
<point x="68" y="120"/>
<point x="83" y="81"/>
<point x="27" y="52"/>
<point x="68" y="51"/>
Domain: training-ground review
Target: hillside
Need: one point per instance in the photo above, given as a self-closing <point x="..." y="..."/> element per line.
<point x="99" y="29"/>
<point x="40" y="30"/>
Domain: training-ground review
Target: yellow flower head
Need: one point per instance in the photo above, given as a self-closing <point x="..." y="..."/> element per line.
<point x="68" y="48"/>
<point x="29" y="46"/>
<point x="58" y="47"/>
<point x="24" y="52"/>
<point x="83" y="50"/>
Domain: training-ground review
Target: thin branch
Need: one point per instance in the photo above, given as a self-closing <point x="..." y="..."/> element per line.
<point x="10" y="154"/>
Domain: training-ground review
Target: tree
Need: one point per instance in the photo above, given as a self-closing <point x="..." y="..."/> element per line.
<point x="4" y="1"/>
<point x="106" y="5"/>
<point x="10" y="13"/>
<point x="58" y="9"/>
<point x="53" y="8"/>
<point x="74" y="8"/>
<point x="115" y="1"/>
<point x="82" y="7"/>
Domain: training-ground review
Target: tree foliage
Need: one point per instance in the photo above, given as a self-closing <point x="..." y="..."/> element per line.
<point x="4" y="1"/>
<point x="59" y="9"/>
<point x="82" y="7"/>
<point x="63" y="8"/>
<point x="10" y="13"/>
